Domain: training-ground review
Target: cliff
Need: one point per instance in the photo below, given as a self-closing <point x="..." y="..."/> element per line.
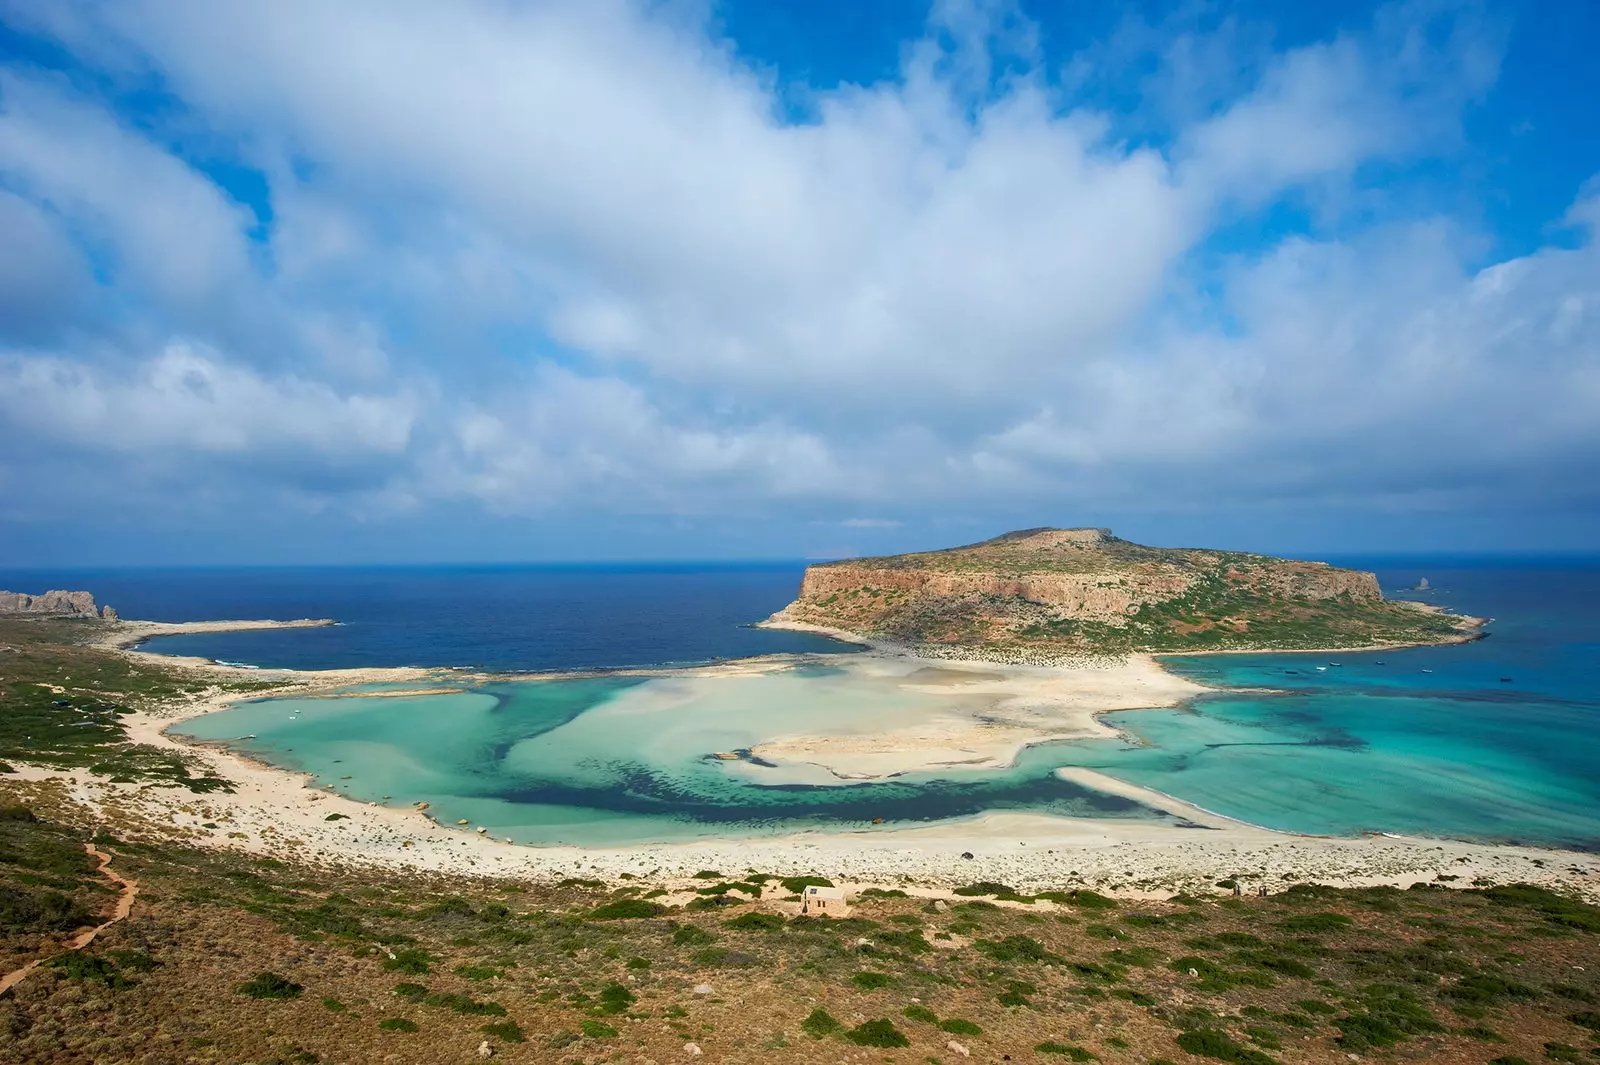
<point x="54" y="604"/>
<point x="1040" y="594"/>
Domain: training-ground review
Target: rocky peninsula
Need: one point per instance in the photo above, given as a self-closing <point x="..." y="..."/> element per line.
<point x="1049" y="595"/>
<point x="57" y="604"/>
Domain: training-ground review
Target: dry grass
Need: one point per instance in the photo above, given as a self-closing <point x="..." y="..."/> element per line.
<point x="1431" y="974"/>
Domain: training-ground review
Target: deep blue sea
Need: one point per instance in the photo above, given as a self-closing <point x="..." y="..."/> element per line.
<point x="499" y="618"/>
<point x="1494" y="740"/>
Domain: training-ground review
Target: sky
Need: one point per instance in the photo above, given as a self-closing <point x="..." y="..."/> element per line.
<point x="393" y="281"/>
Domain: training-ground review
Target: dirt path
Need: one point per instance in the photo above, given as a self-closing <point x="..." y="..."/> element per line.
<point x="124" y="906"/>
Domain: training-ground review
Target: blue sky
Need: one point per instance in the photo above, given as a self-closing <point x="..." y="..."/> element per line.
<point x="300" y="282"/>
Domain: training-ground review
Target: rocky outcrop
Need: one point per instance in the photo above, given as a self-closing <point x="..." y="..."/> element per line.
<point x="51" y="604"/>
<point x="1087" y="590"/>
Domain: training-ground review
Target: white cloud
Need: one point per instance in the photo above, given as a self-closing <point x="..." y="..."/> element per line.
<point x="576" y="255"/>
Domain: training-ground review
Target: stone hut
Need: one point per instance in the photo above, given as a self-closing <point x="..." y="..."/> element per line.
<point x="824" y="902"/>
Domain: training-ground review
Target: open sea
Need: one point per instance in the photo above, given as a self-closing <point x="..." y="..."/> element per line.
<point x="1497" y="740"/>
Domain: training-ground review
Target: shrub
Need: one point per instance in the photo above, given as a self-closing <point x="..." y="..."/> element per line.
<point x="1316" y="923"/>
<point x="413" y="960"/>
<point x="755" y="922"/>
<point x="689" y="935"/>
<point x="270" y="985"/>
<point x="625" y="910"/>
<point x="333" y="1005"/>
<point x="465" y="1004"/>
<point x="506" y="1031"/>
<point x="957" y="1026"/>
<point x="597" y="1030"/>
<point x="1214" y="1043"/>
<point x="884" y="893"/>
<point x="820" y="1024"/>
<point x="1083" y="898"/>
<point x="877" y="1033"/>
<point x="985" y="887"/>
<point x="614" y="998"/>
<point x="398" y="1024"/>
<point x="1382" y="1015"/>
<point x="1013" y="948"/>
<point x="638" y="963"/>
<point x="796" y="885"/>
<point x="478" y="972"/>
<point x="1066" y="1050"/>
<point x="411" y="992"/>
<point x="871" y="981"/>
<point x="1483" y="989"/>
<point x="1017" y="992"/>
<point x="920" y="1013"/>
<point x="1589" y="1019"/>
<point x="908" y="940"/>
<point x="81" y="965"/>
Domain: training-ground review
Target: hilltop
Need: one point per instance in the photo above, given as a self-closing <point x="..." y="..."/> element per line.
<point x="1044" y="594"/>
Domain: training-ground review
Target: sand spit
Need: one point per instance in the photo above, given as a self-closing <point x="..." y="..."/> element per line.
<point x="995" y="711"/>
<point x="277" y="813"/>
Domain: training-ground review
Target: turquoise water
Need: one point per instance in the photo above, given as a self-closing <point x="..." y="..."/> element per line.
<point x="629" y="759"/>
<point x="1494" y="740"/>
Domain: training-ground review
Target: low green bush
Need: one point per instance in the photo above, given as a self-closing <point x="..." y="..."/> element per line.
<point x="626" y="910"/>
<point x="756" y="922"/>
<point x="505" y="1031"/>
<point x="820" y="1023"/>
<point x="877" y="1033"/>
<point x="270" y="985"/>
<point x="1215" y="1043"/>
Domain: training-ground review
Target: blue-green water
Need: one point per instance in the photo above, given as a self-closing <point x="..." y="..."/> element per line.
<point x="1494" y="740"/>
<point x="614" y="760"/>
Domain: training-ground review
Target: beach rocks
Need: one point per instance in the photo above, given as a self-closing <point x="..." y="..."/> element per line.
<point x="702" y="989"/>
<point x="485" y="1050"/>
<point x="692" y="1049"/>
<point x="957" y="1048"/>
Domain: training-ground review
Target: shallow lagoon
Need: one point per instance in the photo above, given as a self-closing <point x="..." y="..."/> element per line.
<point x="629" y="759"/>
<point x="1430" y="741"/>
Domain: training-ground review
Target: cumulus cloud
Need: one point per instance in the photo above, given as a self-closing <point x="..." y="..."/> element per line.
<point x="565" y="254"/>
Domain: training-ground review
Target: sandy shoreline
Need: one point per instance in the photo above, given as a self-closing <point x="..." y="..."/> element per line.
<point x="278" y="813"/>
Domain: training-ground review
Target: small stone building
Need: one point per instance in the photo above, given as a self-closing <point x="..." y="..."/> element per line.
<point x="823" y="902"/>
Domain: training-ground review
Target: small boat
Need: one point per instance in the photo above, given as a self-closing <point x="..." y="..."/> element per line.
<point x="1427" y="671"/>
<point x="1505" y="680"/>
<point x="1322" y="669"/>
<point x="1334" y="664"/>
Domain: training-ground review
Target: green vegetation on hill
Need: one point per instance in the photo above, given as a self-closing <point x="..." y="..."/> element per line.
<point x="61" y="700"/>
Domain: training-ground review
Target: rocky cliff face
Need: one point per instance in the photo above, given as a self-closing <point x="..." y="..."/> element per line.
<point x="1085" y="590"/>
<point x="53" y="604"/>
